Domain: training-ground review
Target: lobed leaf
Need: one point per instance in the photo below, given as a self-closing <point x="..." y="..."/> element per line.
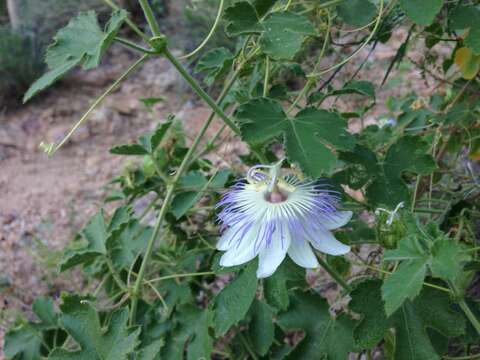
<point x="81" y="42"/>
<point x="82" y="323"/>
<point x="309" y="138"/>
<point x="325" y="337"/>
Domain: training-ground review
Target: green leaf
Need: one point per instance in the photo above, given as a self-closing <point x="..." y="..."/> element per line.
<point x="190" y="333"/>
<point x="463" y="17"/>
<point x="232" y="303"/>
<point x="81" y="321"/>
<point x="146" y="144"/>
<point x="284" y="34"/>
<point x="49" y="78"/>
<point x="448" y="258"/>
<point x="125" y="246"/>
<point x="151" y="351"/>
<point x="241" y="19"/>
<point x="201" y="346"/>
<point x="261" y="120"/>
<point x="183" y="202"/>
<point x="472" y="41"/>
<point x="150" y="102"/>
<point x="430" y="310"/>
<point x="309" y="137"/>
<point x="45" y="311"/>
<point x="357" y="12"/>
<point x="277" y="286"/>
<point x="421" y="12"/>
<point x="405" y="283"/>
<point x="367" y="301"/>
<point x="261" y="327"/>
<point x="361" y="165"/>
<point x="94" y="235"/>
<point x="263" y="6"/>
<point x="215" y="63"/>
<point x="81" y="42"/>
<point x="23" y="343"/>
<point x="445" y="259"/>
<point x="409" y="153"/>
<point x="133" y="149"/>
<point x="325" y="337"/>
<point x="195" y="180"/>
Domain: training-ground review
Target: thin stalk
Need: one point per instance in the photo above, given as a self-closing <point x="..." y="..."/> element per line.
<point x="210" y="34"/>
<point x="466" y="309"/>
<point x="374" y="30"/>
<point x="470" y="315"/>
<point x="333" y="273"/>
<point x="98" y="101"/>
<point x="200" y="92"/>
<point x="329" y="3"/>
<point x="148" y="208"/>
<point x="129" y="22"/>
<point x="150" y="17"/>
<point x="149" y="250"/>
<point x="433" y="286"/>
<point x="177" y="276"/>
<point x="267" y="75"/>
<point x="133" y="46"/>
<point x="468" y="357"/>
<point x="312" y="80"/>
<point x="414" y="200"/>
<point x="114" y="274"/>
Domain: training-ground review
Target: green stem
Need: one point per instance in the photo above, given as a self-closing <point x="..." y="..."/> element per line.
<point x="152" y="22"/>
<point x="470" y="315"/>
<point x="99" y="100"/>
<point x="200" y="92"/>
<point x="267" y="75"/>
<point x="211" y="32"/>
<point x="133" y="46"/>
<point x="333" y="273"/>
<point x="466" y="309"/>
<point x="468" y="357"/>
<point x="128" y="21"/>
<point x="177" y="276"/>
<point x="374" y="30"/>
<point x="168" y="197"/>
<point x="312" y="80"/>
<point x="149" y="250"/>
<point x="114" y="274"/>
<point x="329" y="3"/>
<point x="415" y="192"/>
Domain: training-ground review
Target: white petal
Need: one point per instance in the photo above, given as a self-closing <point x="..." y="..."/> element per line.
<point x="336" y="220"/>
<point x="301" y="252"/>
<point x="325" y="242"/>
<point x="243" y="251"/>
<point x="270" y="257"/>
<point x="225" y="243"/>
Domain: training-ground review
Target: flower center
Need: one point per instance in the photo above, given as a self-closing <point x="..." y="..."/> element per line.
<point x="275" y="196"/>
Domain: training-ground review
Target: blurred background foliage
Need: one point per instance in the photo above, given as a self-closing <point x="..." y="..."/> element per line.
<point x="26" y="32"/>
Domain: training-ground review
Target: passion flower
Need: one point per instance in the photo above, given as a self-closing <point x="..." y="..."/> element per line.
<point x="271" y="215"/>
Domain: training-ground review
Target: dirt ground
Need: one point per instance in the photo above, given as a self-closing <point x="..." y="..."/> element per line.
<point x="44" y="201"/>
